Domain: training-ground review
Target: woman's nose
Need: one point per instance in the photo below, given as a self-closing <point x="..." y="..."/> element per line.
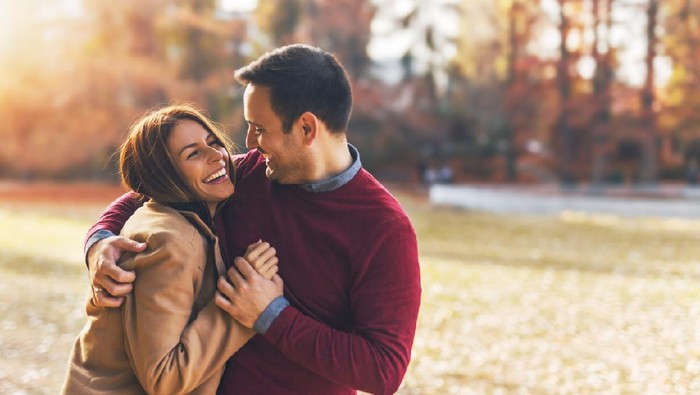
<point x="215" y="154"/>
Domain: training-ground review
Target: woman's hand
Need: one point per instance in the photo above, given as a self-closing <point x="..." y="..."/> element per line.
<point x="263" y="258"/>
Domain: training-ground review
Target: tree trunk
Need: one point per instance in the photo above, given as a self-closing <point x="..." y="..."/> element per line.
<point x="601" y="84"/>
<point x="648" y="115"/>
<point x="562" y="129"/>
<point x="511" y="81"/>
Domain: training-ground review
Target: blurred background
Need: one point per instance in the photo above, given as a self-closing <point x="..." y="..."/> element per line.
<point x="594" y="91"/>
<point x="579" y="119"/>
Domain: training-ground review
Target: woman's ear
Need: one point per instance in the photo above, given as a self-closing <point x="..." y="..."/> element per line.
<point x="309" y="125"/>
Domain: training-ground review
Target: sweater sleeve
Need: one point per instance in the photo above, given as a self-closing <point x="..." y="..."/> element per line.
<point x="385" y="296"/>
<point x="116" y="215"/>
<point x="170" y="354"/>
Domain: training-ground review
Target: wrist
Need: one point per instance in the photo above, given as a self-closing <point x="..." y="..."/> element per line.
<point x="93" y="239"/>
<point x="271" y="312"/>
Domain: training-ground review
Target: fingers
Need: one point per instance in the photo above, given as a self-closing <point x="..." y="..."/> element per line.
<point x="253" y="246"/>
<point x="125" y="244"/>
<point x="103" y="299"/>
<point x="116" y="273"/>
<point x="110" y="282"/>
<point x="259" y="251"/>
<point x="115" y="280"/>
<point x="108" y="293"/>
<point x="261" y="257"/>
<point x="244" y="269"/>
<point x="225" y="287"/>
<point x="224" y="295"/>
<point x="223" y="302"/>
<point x="270" y="272"/>
<point x="235" y="274"/>
<point x="117" y="289"/>
<point x="269" y="268"/>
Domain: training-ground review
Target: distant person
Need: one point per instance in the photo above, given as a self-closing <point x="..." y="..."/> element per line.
<point x="692" y="171"/>
<point x="169" y="336"/>
<point x="422" y="168"/>
<point x="432" y="175"/>
<point x="347" y="250"/>
<point x="445" y="174"/>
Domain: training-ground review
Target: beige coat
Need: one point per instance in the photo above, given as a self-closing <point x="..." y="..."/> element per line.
<point x="168" y="337"/>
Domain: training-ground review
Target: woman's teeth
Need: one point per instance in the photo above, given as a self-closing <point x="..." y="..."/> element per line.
<point x="216" y="175"/>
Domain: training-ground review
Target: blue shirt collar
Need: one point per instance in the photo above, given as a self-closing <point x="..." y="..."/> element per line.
<point x="335" y="182"/>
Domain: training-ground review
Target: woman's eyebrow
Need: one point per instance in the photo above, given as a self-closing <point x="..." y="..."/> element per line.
<point x="186" y="147"/>
<point x="210" y="135"/>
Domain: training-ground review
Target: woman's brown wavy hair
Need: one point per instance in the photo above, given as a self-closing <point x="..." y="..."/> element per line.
<point x="145" y="166"/>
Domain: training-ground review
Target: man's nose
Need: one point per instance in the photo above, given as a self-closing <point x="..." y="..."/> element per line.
<point x="251" y="140"/>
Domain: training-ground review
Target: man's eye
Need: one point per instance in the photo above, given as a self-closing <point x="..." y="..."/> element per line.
<point x="258" y="130"/>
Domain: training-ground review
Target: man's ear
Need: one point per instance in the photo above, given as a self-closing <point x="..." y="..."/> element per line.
<point x="310" y="126"/>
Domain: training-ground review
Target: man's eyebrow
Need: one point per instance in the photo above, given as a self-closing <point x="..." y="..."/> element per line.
<point x="253" y="123"/>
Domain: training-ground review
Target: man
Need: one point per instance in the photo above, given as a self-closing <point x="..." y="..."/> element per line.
<point x="347" y="251"/>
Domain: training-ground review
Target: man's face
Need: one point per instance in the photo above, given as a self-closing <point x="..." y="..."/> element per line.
<point x="287" y="159"/>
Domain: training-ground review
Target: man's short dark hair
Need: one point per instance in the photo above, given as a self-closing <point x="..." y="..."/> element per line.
<point x="303" y="78"/>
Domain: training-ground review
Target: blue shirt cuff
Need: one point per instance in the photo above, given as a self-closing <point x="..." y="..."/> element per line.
<point x="268" y="316"/>
<point x="97" y="236"/>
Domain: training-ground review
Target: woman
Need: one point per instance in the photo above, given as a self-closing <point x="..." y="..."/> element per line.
<point x="168" y="337"/>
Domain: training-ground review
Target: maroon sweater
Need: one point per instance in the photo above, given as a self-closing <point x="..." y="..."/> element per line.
<point x="349" y="262"/>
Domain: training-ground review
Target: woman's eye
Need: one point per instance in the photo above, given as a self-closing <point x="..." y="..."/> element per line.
<point x="192" y="154"/>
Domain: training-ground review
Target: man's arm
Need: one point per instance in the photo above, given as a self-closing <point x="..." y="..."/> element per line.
<point x="103" y="249"/>
<point x="114" y="217"/>
<point x="373" y="356"/>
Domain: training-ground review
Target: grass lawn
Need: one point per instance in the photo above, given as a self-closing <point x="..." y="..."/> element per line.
<point x="575" y="304"/>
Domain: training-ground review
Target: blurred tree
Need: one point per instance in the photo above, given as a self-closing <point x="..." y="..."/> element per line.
<point x="649" y="164"/>
<point x="201" y="43"/>
<point x="505" y="82"/>
<point x="563" y="131"/>
<point x="93" y="69"/>
<point x="682" y="45"/>
<point x="429" y="45"/>
<point x="280" y="19"/>
<point x="602" y="84"/>
<point x="522" y="17"/>
<point x="339" y="26"/>
<point x="603" y="56"/>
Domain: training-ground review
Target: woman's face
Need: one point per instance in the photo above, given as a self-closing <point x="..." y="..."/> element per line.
<point x="202" y="162"/>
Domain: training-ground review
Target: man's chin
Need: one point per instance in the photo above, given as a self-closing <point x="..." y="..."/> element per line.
<point x="270" y="174"/>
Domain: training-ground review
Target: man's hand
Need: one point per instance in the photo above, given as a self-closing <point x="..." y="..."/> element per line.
<point x="109" y="282"/>
<point x="250" y="293"/>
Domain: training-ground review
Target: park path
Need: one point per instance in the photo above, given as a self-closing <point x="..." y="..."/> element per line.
<point x="668" y="201"/>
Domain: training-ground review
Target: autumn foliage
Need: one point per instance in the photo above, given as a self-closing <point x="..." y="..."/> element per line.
<point x="505" y="90"/>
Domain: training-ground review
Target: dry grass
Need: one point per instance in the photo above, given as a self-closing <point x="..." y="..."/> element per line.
<point x="41" y="293"/>
<point x="577" y="304"/>
<point x="511" y="305"/>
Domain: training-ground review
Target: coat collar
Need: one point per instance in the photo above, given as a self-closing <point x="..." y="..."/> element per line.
<point x="200" y="209"/>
